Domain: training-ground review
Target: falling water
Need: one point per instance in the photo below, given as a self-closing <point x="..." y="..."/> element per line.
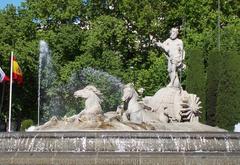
<point x="109" y="147"/>
<point x="101" y="141"/>
<point x="46" y="74"/>
<point x="110" y="86"/>
<point x="66" y="104"/>
<point x="44" y="55"/>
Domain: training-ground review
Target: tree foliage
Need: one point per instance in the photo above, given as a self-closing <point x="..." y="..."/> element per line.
<point x="227" y="104"/>
<point x="196" y="78"/>
<point x="213" y="77"/>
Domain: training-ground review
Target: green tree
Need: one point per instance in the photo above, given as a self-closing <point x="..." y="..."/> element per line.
<point x="216" y="58"/>
<point x="196" y="78"/>
<point x="51" y="14"/>
<point x="227" y="109"/>
<point x="154" y="77"/>
<point x="106" y="43"/>
<point x="213" y="77"/>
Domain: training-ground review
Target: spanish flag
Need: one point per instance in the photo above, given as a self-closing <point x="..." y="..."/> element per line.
<point x="17" y="72"/>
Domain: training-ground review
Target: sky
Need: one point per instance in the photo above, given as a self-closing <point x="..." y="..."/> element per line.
<point x="3" y="3"/>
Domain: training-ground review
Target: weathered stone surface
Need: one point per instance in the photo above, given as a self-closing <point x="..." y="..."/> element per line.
<point x="113" y="158"/>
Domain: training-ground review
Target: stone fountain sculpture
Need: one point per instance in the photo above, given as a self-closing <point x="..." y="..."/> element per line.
<point x="92" y="103"/>
<point x="166" y="106"/>
<point x="169" y="109"/>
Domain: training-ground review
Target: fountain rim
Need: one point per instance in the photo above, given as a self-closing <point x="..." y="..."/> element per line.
<point x="121" y="134"/>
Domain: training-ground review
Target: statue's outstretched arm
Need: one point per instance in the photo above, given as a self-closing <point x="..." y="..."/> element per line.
<point x="163" y="45"/>
<point x="159" y="43"/>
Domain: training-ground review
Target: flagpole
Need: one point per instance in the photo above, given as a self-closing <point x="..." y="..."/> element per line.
<point x="10" y="95"/>
<point x="39" y="88"/>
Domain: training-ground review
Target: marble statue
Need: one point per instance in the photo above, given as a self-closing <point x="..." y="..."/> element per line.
<point x="170" y="109"/>
<point x="175" y="54"/>
<point x="167" y="105"/>
<point x="137" y="111"/>
<point x="92" y="103"/>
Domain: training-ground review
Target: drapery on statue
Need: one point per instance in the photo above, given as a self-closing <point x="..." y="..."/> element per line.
<point x="175" y="55"/>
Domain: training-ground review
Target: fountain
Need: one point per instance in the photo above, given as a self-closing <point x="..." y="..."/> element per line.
<point x="158" y="129"/>
<point x="46" y="77"/>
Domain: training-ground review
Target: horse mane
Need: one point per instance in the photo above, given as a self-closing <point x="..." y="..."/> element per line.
<point x="131" y="85"/>
<point x="96" y="91"/>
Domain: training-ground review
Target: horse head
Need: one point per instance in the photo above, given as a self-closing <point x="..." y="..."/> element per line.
<point x="128" y="92"/>
<point x="92" y="102"/>
<point x="87" y="92"/>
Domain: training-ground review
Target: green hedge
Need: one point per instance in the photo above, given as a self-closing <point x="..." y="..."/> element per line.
<point x="25" y="124"/>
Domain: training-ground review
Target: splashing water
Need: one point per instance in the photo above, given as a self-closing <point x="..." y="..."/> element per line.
<point x="46" y="77"/>
<point x="110" y="87"/>
<point x="44" y="55"/>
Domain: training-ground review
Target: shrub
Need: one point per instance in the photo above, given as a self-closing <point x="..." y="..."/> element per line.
<point x="25" y="124"/>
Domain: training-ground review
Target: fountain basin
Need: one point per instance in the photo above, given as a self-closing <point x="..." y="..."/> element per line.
<point x="115" y="158"/>
<point x="124" y="147"/>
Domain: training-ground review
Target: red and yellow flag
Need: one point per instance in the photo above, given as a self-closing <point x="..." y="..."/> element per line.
<point x="17" y="72"/>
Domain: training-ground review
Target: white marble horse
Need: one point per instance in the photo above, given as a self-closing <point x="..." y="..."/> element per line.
<point x="92" y="103"/>
<point x="137" y="110"/>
